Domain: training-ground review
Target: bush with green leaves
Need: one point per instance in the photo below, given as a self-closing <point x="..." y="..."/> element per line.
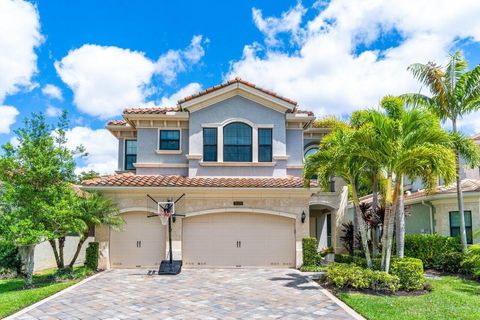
<point x="435" y="251"/>
<point x="318" y="268"/>
<point x="310" y="253"/>
<point x="352" y="276"/>
<point x="471" y="263"/>
<point x="410" y="273"/>
<point x="9" y="259"/>
<point x="91" y="257"/>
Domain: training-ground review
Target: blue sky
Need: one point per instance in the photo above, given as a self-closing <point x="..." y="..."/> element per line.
<point x="94" y="58"/>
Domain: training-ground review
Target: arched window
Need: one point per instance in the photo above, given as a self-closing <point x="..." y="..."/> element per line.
<point x="310" y="151"/>
<point x="237" y="142"/>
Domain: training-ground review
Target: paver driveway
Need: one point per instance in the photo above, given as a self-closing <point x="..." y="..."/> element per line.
<point x="194" y="294"/>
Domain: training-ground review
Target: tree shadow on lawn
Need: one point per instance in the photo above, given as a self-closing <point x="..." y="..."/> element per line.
<point x="297" y="281"/>
<point x="468" y="286"/>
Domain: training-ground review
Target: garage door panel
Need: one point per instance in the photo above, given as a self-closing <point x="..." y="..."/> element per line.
<point x="264" y="240"/>
<point x="141" y="243"/>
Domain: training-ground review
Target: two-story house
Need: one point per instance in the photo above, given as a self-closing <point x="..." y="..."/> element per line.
<point x="236" y="151"/>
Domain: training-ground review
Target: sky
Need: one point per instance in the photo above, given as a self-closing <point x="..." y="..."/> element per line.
<point x="94" y="58"/>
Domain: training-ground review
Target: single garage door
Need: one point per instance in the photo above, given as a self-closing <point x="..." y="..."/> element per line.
<point x="238" y="240"/>
<point x="140" y="244"/>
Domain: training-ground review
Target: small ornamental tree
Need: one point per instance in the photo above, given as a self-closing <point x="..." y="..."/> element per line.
<point x="36" y="176"/>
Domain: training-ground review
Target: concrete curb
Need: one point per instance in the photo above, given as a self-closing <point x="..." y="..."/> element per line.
<point x="53" y="296"/>
<point x="342" y="304"/>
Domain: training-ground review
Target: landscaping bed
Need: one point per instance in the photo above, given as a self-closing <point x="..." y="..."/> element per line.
<point x="14" y="297"/>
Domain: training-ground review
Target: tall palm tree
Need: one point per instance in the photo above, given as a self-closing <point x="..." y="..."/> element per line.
<point x="404" y="142"/>
<point x="335" y="157"/>
<point x="455" y="92"/>
<point x="95" y="210"/>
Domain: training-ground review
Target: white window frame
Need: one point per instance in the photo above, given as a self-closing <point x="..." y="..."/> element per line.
<point x="179" y="151"/>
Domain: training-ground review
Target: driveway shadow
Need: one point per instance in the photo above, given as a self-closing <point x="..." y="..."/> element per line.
<point x="297" y="281"/>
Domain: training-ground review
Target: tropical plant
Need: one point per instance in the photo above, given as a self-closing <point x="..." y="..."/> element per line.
<point x="94" y="210"/>
<point x="337" y="156"/>
<point x="455" y="92"/>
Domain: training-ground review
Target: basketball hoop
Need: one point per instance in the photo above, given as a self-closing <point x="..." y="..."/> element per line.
<point x="165" y="210"/>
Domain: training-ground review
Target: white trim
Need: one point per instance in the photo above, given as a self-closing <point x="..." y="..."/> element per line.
<point x="137" y="209"/>
<point x="124" y="156"/>
<point x="280" y="157"/>
<point x="169" y="129"/>
<point x="168" y="151"/>
<point x="194" y="156"/>
<point x="236" y="164"/>
<point x="292" y="166"/>
<point x="241" y="210"/>
<point x="231" y="120"/>
<point x="209" y="190"/>
<point x="161" y="165"/>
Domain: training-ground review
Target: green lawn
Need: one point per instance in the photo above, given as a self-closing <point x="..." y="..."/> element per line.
<point x="13" y="297"/>
<point x="451" y="298"/>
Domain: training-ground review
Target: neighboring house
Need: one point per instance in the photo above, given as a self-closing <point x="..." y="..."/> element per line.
<point x="236" y="151"/>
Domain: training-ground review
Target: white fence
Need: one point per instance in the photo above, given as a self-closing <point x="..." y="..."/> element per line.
<point x="45" y="259"/>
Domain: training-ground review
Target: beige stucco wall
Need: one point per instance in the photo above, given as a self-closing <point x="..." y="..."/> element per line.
<point x="284" y="202"/>
<point x="444" y="206"/>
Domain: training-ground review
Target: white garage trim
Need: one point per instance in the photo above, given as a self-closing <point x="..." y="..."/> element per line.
<point x="138" y="209"/>
<point x="242" y="210"/>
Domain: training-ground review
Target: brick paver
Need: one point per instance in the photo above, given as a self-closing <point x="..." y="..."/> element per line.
<point x="194" y="294"/>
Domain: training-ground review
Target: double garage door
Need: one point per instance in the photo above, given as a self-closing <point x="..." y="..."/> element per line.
<point x="214" y="240"/>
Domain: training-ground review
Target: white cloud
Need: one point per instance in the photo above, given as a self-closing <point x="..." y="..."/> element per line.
<point x="289" y="22"/>
<point x="105" y="79"/>
<point x="175" y="61"/>
<point x="330" y="73"/>
<point x="101" y="146"/>
<point x="19" y="36"/>
<point x="53" y="111"/>
<point x="52" y="91"/>
<point x="186" y="91"/>
<point x="8" y="115"/>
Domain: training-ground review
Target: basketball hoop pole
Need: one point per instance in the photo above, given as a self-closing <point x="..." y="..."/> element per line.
<point x="170" y="239"/>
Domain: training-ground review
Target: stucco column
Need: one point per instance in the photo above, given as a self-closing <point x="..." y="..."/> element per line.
<point x="102" y="235"/>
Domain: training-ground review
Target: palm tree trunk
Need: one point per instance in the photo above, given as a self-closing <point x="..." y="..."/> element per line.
<point x="53" y="244"/>
<point x="386" y="219"/>
<point x="81" y="241"/>
<point x="362" y="226"/>
<point x="391" y="226"/>
<point x="375" y="206"/>
<point x="356" y="227"/>
<point x="401" y="221"/>
<point x="463" y="232"/>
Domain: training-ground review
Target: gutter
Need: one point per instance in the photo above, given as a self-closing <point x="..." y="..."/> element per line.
<point x="430" y="207"/>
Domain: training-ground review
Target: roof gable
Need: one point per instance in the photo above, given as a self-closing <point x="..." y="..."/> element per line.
<point x="236" y="87"/>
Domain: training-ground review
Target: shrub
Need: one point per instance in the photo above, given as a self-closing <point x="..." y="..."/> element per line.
<point x="351" y="276"/>
<point x="471" y="263"/>
<point x="312" y="268"/>
<point x="9" y="260"/>
<point x="310" y="253"/>
<point x="435" y="251"/>
<point x="91" y="257"/>
<point x="410" y="273"/>
<point x="358" y="261"/>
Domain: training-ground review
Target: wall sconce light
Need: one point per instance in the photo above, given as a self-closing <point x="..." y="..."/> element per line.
<point x="304" y="216"/>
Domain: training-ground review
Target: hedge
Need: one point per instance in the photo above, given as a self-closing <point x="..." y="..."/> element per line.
<point x="471" y="263"/>
<point x="9" y="259"/>
<point x="91" y="256"/>
<point x="310" y="253"/>
<point x="351" y="276"/>
<point x="435" y="251"/>
<point x="410" y="273"/>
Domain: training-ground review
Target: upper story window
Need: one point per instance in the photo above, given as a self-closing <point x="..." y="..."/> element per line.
<point x="209" y="144"/>
<point x="130" y="154"/>
<point x="237" y="142"/>
<point x="455" y="225"/>
<point x="265" y="145"/>
<point x="169" y="140"/>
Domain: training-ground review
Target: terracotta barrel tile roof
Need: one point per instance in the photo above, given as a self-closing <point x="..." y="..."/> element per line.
<point x="155" y="110"/>
<point x="117" y="123"/>
<point x="236" y="80"/>
<point x="132" y="180"/>
<point x="308" y="113"/>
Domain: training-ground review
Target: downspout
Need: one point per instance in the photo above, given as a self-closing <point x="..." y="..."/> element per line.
<point x="430" y="207"/>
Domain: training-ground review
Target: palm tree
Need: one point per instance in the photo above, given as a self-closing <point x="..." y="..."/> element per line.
<point x="404" y="142"/>
<point x="336" y="158"/>
<point x="455" y="92"/>
<point x="95" y="210"/>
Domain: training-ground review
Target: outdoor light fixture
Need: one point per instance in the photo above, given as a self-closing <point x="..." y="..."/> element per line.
<point x="304" y="216"/>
